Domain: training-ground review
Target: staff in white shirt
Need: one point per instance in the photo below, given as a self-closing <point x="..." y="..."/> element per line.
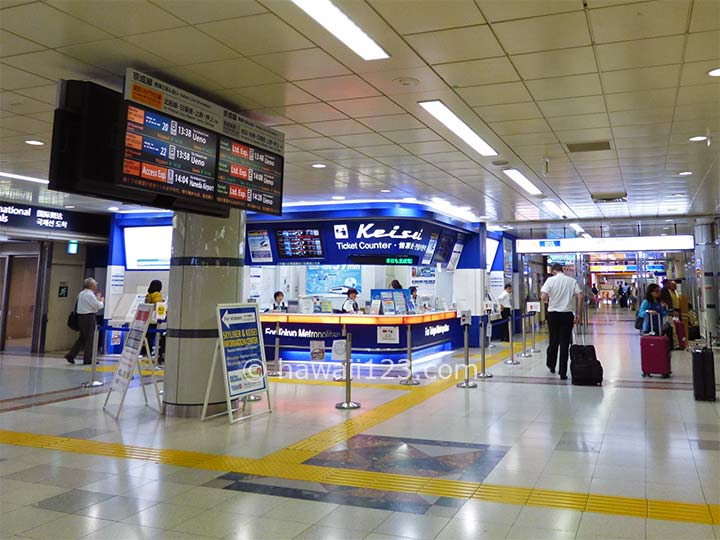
<point x="86" y="308"/>
<point x="505" y="300"/>
<point x="350" y="305"/>
<point x="563" y="295"/>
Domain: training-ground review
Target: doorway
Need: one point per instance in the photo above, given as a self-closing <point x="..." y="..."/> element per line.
<point x="20" y="278"/>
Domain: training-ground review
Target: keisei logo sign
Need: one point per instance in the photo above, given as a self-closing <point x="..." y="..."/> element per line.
<point x="341" y="232"/>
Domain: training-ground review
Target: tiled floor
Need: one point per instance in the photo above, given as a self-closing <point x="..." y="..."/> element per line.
<point x="627" y="439"/>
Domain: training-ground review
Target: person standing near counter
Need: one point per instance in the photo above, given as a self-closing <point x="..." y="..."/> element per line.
<point x="350" y="305"/>
<point x="505" y="301"/>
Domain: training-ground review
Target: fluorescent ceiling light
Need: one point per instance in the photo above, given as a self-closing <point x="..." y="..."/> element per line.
<point x="577" y="228"/>
<point x="438" y="109"/>
<point x="113" y="208"/>
<point x="69" y="206"/>
<point x="714" y="72"/>
<point x="384" y="191"/>
<point x="554" y="208"/>
<point x="685" y="173"/>
<point x="319" y="165"/>
<point x="33" y="142"/>
<point x="338" y="198"/>
<point x="26" y="178"/>
<point x="697" y="138"/>
<point x="520" y="179"/>
<point x="586" y="235"/>
<point x="495" y="228"/>
<point x="339" y="25"/>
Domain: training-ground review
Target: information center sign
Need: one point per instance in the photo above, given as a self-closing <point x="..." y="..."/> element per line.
<point x="241" y="349"/>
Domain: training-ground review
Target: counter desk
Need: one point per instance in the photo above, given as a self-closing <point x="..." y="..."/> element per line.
<point x="375" y="338"/>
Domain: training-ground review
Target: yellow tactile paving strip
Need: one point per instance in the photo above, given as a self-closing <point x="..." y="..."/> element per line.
<point x="581" y="502"/>
<point x="288" y="464"/>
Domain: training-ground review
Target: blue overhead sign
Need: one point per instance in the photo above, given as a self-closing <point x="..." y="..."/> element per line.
<point x="344" y="241"/>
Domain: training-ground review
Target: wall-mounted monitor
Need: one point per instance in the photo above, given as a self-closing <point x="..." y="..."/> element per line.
<point x="491" y="247"/>
<point x="148" y="248"/>
<point x="299" y="244"/>
<point x="444" y="247"/>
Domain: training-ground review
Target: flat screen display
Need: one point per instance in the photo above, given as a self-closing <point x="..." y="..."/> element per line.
<point x="299" y="244"/>
<point x="491" y="247"/>
<point x="148" y="248"/>
<point x="249" y="178"/>
<point x="169" y="156"/>
<point x="444" y="247"/>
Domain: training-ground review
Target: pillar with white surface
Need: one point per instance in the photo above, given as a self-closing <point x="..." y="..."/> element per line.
<point x="206" y="269"/>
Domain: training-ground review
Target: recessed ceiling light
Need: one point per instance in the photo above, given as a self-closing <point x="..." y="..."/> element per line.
<point x="520" y="179"/>
<point x="338" y="198"/>
<point x="69" y="206"/>
<point x="554" y="208"/>
<point x="339" y="25"/>
<point x="685" y="173"/>
<point x="440" y="111"/>
<point x="698" y="138"/>
<point x="33" y="142"/>
<point x="319" y="165"/>
<point x="113" y="208"/>
<point x="577" y="228"/>
<point x="384" y="191"/>
<point x="714" y="72"/>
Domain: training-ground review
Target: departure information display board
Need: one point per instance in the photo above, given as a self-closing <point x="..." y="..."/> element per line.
<point x="299" y="243"/>
<point x="249" y="177"/>
<point x="168" y="155"/>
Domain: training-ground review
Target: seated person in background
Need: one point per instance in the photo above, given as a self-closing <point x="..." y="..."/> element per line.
<point x="278" y="301"/>
<point x="652" y="307"/>
<point x="413" y="299"/>
<point x="350" y="305"/>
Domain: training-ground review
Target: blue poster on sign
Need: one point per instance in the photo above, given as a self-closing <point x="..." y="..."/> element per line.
<point x="242" y="349"/>
<point x="335" y="279"/>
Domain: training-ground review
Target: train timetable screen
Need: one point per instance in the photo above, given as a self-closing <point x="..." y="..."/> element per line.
<point x="299" y="243"/>
<point x="249" y="177"/>
<point x="169" y="156"/>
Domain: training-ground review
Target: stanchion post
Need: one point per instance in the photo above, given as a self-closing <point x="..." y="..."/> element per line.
<point x="93" y="383"/>
<point x="491" y="345"/>
<point x="483" y="368"/>
<point x="465" y="320"/>
<point x="344" y="374"/>
<point x="511" y="361"/>
<point x="524" y="353"/>
<point x="534" y="348"/>
<point x="348" y="404"/>
<point x="409" y="380"/>
<point x="277" y="367"/>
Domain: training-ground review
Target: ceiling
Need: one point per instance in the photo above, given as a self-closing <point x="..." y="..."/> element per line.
<point x="528" y="76"/>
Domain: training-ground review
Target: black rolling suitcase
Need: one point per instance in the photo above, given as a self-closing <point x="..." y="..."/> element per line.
<point x="585" y="368"/>
<point x="703" y="370"/>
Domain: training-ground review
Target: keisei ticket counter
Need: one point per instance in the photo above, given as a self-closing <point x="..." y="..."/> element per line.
<point x="315" y="256"/>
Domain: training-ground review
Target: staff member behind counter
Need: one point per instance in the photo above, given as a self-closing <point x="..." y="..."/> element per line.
<point x="350" y="305"/>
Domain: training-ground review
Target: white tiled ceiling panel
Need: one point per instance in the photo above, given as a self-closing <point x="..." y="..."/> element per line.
<point x="530" y="77"/>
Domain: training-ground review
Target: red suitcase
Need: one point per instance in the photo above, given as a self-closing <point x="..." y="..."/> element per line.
<point x="681" y="336"/>
<point x="655" y="353"/>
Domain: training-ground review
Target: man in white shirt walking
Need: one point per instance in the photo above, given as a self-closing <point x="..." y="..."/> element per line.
<point x="87" y="307"/>
<point x="563" y="295"/>
<point x="505" y="300"/>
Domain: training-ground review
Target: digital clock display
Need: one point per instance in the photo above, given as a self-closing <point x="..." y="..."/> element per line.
<point x="168" y="155"/>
